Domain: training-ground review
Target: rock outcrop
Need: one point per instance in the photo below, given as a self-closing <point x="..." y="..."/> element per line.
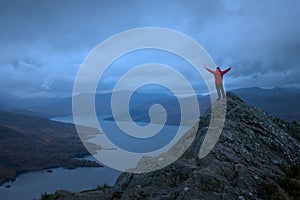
<point x="256" y="157"/>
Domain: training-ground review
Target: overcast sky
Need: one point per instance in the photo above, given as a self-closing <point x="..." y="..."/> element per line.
<point x="43" y="43"/>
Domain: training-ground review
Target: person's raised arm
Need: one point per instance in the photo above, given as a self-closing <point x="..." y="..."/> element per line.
<point x="211" y="71"/>
<point x="226" y="70"/>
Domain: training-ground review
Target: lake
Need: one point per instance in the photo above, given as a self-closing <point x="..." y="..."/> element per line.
<point x="33" y="184"/>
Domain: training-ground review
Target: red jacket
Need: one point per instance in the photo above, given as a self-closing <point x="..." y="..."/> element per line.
<point x="218" y="75"/>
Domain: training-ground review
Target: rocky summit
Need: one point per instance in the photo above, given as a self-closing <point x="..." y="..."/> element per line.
<point x="256" y="157"/>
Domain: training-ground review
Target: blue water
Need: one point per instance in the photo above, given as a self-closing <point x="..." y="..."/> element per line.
<point x="127" y="142"/>
<point x="31" y="185"/>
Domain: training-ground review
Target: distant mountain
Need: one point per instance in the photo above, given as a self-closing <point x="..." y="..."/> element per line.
<point x="256" y="157"/>
<point x="280" y="102"/>
<point x="63" y="106"/>
<point x="34" y="143"/>
<point x="25" y="103"/>
<point x="29" y="113"/>
<point x="140" y="113"/>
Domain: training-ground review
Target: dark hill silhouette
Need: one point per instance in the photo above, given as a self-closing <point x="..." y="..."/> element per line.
<point x="280" y="102"/>
<point x="63" y="106"/>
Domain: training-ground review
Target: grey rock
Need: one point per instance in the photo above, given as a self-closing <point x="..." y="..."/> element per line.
<point x="248" y="157"/>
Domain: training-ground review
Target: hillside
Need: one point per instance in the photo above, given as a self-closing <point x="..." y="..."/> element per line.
<point x="280" y="102"/>
<point x="256" y="157"/>
<point x="33" y="143"/>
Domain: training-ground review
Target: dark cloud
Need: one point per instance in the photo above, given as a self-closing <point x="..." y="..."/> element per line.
<point x="44" y="42"/>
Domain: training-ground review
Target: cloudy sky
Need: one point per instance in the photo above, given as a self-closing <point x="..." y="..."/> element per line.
<point x="43" y="43"/>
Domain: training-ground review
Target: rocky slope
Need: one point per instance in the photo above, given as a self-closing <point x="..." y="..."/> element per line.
<point x="256" y="157"/>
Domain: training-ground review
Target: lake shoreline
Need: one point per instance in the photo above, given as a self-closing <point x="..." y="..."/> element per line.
<point x="82" y="163"/>
<point x="32" y="185"/>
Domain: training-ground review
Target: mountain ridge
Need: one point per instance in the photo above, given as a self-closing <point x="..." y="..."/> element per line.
<point x="256" y="157"/>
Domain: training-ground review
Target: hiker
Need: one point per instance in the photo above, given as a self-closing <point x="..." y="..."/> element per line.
<point x="219" y="80"/>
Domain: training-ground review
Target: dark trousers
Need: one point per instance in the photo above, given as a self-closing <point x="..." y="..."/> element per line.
<point x="220" y="89"/>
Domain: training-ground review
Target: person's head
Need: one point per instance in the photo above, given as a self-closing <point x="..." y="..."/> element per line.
<point x="218" y="69"/>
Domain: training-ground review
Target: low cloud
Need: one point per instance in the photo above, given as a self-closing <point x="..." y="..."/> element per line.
<point x="41" y="49"/>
